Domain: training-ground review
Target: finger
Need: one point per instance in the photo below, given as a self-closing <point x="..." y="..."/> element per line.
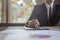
<point x="37" y="22"/>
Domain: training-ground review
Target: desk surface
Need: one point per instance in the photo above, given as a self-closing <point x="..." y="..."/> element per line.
<point x="21" y="34"/>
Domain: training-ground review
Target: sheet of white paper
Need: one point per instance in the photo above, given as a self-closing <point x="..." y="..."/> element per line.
<point x="17" y="34"/>
<point x="55" y="35"/>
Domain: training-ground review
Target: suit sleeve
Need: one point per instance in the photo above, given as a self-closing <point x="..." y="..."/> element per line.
<point x="35" y="13"/>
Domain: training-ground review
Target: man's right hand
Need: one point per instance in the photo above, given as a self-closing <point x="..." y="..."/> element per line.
<point x="32" y="23"/>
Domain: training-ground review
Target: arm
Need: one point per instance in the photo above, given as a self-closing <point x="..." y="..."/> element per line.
<point x="35" y="13"/>
<point x="32" y="20"/>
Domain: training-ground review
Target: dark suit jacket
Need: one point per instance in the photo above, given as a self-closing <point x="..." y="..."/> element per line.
<point x="40" y="13"/>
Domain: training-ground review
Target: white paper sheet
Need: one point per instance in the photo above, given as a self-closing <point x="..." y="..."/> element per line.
<point x="25" y="35"/>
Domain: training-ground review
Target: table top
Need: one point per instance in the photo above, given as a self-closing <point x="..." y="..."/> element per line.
<point x="22" y="34"/>
<point x="19" y="33"/>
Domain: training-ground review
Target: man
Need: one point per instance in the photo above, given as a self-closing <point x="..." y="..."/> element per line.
<point x="45" y="14"/>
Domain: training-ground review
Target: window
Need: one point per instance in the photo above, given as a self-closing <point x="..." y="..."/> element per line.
<point x="20" y="10"/>
<point x="0" y="10"/>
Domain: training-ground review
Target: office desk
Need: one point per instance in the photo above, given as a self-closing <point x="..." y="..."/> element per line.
<point x="22" y="34"/>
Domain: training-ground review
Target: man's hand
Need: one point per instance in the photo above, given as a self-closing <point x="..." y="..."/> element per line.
<point x="33" y="23"/>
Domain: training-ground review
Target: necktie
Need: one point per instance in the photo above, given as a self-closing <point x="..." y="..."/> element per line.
<point x="50" y="12"/>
